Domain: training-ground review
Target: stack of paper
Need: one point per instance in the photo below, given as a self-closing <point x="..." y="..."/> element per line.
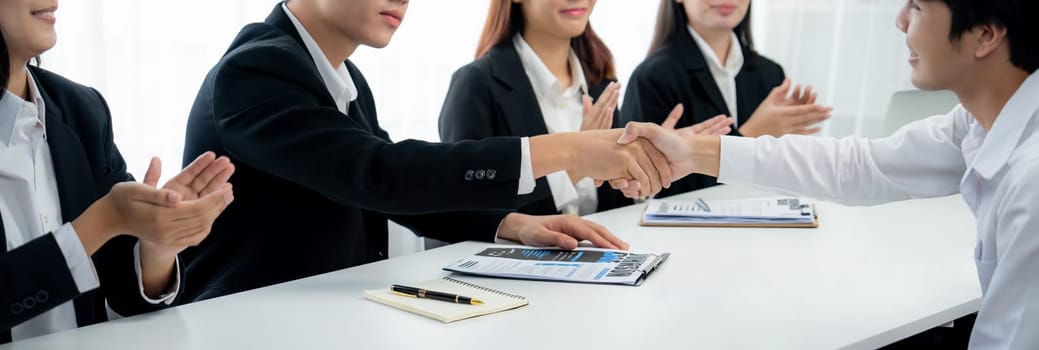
<point x="765" y="212"/>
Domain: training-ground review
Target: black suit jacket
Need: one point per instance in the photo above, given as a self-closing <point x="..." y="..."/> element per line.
<point x="35" y="277"/>
<point x="314" y="187"/>
<point x="678" y="73"/>
<point x="492" y="96"/>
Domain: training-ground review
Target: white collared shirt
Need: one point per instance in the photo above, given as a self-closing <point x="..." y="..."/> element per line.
<point x="563" y="111"/>
<point x="342" y="88"/>
<point x="337" y="79"/>
<point x="724" y="74"/>
<point x="30" y="206"/>
<point x="995" y="172"/>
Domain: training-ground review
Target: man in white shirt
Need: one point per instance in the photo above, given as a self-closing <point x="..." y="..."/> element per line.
<point x="986" y="149"/>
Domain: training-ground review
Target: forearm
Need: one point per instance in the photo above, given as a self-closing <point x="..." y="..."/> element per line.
<point x="35" y="278"/>
<point x="552" y="153"/>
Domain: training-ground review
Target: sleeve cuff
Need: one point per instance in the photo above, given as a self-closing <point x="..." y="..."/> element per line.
<point x="166" y="298"/>
<point x="738" y="162"/>
<point x="526" y="182"/>
<point x="80" y="265"/>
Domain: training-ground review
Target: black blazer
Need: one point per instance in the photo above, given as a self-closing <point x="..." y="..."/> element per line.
<point x="314" y="187"/>
<point x="492" y="96"/>
<point x="678" y="73"/>
<point x="35" y="277"/>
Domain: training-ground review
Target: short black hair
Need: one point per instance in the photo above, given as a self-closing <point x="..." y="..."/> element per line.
<point x="1017" y="16"/>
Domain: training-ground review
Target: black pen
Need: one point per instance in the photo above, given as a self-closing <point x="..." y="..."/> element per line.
<point x="430" y="294"/>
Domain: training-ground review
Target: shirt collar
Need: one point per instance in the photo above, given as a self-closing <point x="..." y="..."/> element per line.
<point x="11" y="105"/>
<point x="735" y="57"/>
<point x="1008" y="128"/>
<point x="337" y="80"/>
<point x="542" y="79"/>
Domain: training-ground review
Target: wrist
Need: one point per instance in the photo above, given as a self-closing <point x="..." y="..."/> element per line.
<point x="706" y="151"/>
<point x="553" y="152"/>
<point x="157" y="253"/>
<point x="157" y="268"/>
<point x="748" y="130"/>
<point x="97" y="225"/>
<point x="509" y="228"/>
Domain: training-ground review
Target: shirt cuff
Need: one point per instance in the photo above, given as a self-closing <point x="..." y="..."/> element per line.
<point x="564" y="193"/>
<point x="737" y="162"/>
<point x="526" y="182"/>
<point x="171" y="294"/>
<point x="80" y="265"/>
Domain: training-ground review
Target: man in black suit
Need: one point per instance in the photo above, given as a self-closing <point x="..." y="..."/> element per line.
<point x="317" y="177"/>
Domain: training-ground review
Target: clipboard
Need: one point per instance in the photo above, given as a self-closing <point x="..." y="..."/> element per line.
<point x="721" y="222"/>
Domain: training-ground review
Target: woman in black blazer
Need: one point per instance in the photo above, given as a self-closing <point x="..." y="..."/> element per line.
<point x="66" y="199"/>
<point x="527" y="44"/>
<point x="681" y="70"/>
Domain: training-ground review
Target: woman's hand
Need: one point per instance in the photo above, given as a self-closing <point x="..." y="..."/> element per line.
<point x="781" y="114"/>
<point x="600" y="115"/>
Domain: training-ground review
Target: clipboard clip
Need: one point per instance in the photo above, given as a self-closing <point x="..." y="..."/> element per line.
<point x="651" y="267"/>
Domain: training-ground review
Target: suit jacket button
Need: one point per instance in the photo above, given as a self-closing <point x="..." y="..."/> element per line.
<point x="491" y="174"/>
<point x="29" y="302"/>
<point x="16" y="309"/>
<point x="469" y="175"/>
<point x="480" y="174"/>
<point x="42" y="296"/>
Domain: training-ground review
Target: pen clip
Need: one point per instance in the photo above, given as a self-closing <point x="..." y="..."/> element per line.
<point x="404" y="294"/>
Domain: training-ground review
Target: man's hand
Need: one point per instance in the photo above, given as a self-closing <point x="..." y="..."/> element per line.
<point x="636" y="160"/>
<point x="685" y="154"/>
<point x="564" y="231"/>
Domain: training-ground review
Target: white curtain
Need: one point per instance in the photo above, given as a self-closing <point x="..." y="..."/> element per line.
<point x="849" y="50"/>
<point x="148" y="58"/>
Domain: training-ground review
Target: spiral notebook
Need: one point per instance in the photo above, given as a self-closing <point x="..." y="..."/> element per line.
<point x="494" y="300"/>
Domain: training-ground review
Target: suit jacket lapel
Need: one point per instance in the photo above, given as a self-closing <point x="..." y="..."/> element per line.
<point x="746" y="103"/>
<point x="696" y="64"/>
<point x="278" y="19"/>
<point x="519" y="104"/>
<point x="75" y="185"/>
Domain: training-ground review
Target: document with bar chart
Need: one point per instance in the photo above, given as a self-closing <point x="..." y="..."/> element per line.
<point x="584" y="265"/>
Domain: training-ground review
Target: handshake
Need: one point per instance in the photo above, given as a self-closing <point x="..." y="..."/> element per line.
<point x="644" y="158"/>
<point x="640" y="160"/>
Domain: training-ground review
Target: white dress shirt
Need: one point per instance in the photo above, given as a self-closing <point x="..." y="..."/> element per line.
<point x="342" y="88"/>
<point x="563" y="111"/>
<point x="724" y="74"/>
<point x="30" y="206"/>
<point x="995" y="172"/>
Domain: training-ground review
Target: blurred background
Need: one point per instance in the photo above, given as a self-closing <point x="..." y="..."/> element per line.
<point x="148" y="58"/>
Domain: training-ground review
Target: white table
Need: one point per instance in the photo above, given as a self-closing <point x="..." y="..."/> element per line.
<point x="867" y="277"/>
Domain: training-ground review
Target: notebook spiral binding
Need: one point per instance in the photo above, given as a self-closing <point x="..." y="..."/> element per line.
<point x="495" y="291"/>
